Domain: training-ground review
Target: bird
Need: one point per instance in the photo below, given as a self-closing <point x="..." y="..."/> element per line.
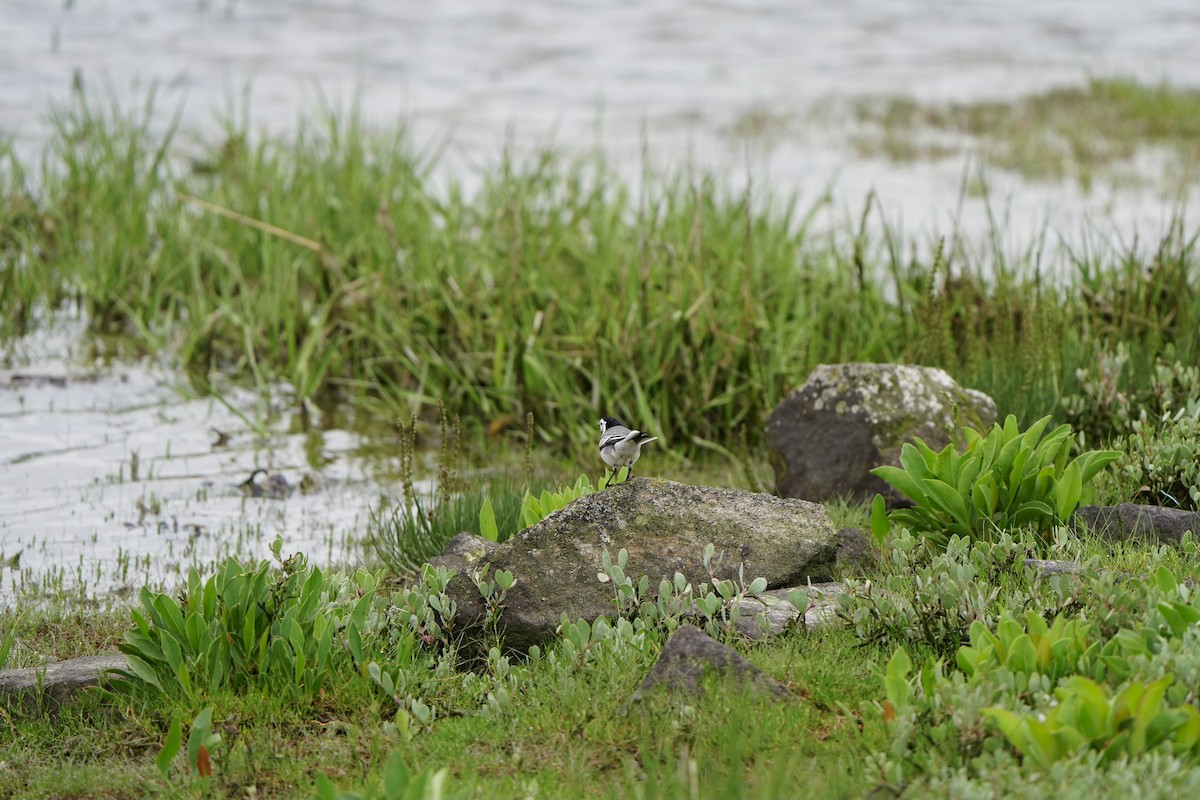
<point x="620" y="446"/>
<point x="273" y="485"/>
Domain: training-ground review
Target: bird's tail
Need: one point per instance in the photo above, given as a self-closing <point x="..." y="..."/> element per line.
<point x="644" y="439"/>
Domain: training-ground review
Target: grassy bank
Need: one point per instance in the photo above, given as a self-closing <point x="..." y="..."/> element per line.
<point x="1091" y="133"/>
<point x="572" y="732"/>
<point x="395" y="696"/>
<point x="327" y="261"/>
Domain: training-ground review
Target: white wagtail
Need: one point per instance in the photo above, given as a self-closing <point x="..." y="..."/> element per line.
<point x="619" y="446"/>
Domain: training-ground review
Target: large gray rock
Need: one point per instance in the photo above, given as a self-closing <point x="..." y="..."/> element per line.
<point x="464" y="552"/>
<point x="690" y="654"/>
<point x="1154" y="524"/>
<point x="664" y="526"/>
<point x="847" y="419"/>
<point x="58" y="681"/>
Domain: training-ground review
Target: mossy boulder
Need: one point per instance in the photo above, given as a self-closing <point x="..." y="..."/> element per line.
<point x="847" y="419"/>
<point x="664" y="527"/>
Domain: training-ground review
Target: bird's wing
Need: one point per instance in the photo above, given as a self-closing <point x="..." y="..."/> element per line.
<point x="617" y="433"/>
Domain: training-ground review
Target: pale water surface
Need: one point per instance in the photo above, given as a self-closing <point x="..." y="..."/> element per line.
<point x="79" y="516"/>
<point x="675" y="75"/>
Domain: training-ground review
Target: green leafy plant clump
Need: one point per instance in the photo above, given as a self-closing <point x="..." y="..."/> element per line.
<point x="1056" y="689"/>
<point x="244" y="626"/>
<point x="1006" y="479"/>
<point x="1130" y="722"/>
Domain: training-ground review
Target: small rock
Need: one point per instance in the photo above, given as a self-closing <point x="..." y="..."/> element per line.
<point x="58" y="680"/>
<point x="1046" y="568"/>
<point x="782" y="615"/>
<point x="1126" y="521"/>
<point x="847" y="419"/>
<point x="690" y="654"/>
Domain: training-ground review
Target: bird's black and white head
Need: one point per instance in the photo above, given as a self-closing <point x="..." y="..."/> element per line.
<point x="609" y="422"/>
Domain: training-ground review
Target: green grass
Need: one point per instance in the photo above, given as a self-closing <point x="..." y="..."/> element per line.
<point x="1086" y="132"/>
<point x="574" y="734"/>
<point x="58" y="631"/>
<point x="326" y="263"/>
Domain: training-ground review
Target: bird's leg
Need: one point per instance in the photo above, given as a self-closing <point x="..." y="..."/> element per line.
<point x="605" y="484"/>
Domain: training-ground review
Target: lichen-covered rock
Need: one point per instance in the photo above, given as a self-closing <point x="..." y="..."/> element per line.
<point x="758" y="621"/>
<point x="847" y="419"/>
<point x="1044" y="568"/>
<point x="855" y="552"/>
<point x="463" y="552"/>
<point x="664" y="527"/>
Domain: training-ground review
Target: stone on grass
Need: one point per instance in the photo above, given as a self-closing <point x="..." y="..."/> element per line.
<point x="58" y="681"/>
<point x="1046" y="568"/>
<point x="1130" y="521"/>
<point x="665" y="527"/>
<point x="691" y="654"/>
<point x="758" y="621"/>
<point x="828" y="435"/>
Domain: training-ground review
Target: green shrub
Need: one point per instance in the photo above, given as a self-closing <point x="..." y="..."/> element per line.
<point x="1111" y="399"/>
<point x="1053" y="650"/>
<point x="1004" y="480"/>
<point x="1054" y="689"/>
<point x="1129" y="722"/>
<point x="1160" y="462"/>
<point x="934" y="602"/>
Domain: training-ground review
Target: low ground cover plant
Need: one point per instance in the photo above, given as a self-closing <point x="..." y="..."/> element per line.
<point x="1160" y="462"/>
<point x="1050" y="687"/>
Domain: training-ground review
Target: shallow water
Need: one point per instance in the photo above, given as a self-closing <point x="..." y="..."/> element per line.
<point x="77" y="517"/>
<point x="674" y="76"/>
